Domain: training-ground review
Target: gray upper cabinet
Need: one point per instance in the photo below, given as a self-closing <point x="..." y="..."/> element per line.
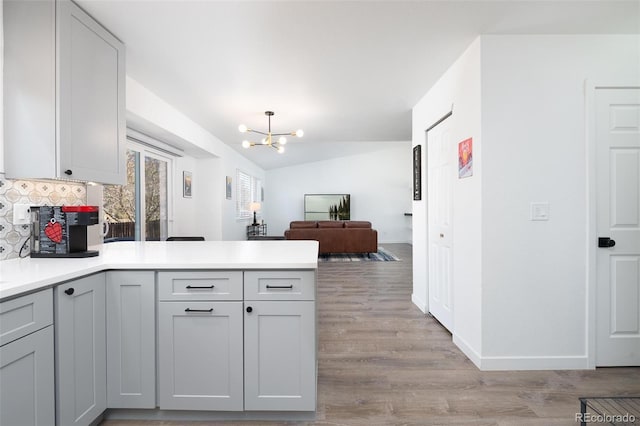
<point x="64" y="94"/>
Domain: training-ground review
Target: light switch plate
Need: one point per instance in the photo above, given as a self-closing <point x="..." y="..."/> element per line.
<point x="540" y="211"/>
<point x="21" y="214"/>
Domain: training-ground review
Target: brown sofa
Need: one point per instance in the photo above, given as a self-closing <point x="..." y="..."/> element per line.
<point x="336" y="236"/>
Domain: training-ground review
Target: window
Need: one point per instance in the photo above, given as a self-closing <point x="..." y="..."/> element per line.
<point x="147" y="190"/>
<point x="248" y="190"/>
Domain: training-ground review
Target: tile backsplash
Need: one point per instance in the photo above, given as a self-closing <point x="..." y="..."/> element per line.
<point x="35" y="193"/>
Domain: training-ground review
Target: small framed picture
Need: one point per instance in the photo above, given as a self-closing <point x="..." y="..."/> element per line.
<point x="465" y="158"/>
<point x="187" y="184"/>
<point x="228" y="187"/>
<point x="417" y="173"/>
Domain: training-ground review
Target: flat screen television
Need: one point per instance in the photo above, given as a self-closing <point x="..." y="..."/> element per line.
<point x="327" y="207"/>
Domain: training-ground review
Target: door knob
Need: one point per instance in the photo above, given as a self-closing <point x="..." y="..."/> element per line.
<point x="69" y="291"/>
<point x="606" y="242"/>
<point x="249" y="309"/>
<point x="68" y="172"/>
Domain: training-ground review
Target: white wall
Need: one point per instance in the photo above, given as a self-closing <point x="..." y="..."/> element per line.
<point x="522" y="285"/>
<point x="533" y="121"/>
<point x="379" y="183"/>
<point x="459" y="87"/>
<point x="185" y="209"/>
<point x="207" y="212"/>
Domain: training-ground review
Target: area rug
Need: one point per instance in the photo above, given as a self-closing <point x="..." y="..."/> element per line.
<point x="381" y="256"/>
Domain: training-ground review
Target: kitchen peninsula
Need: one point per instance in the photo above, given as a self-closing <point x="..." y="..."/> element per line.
<point x="175" y="330"/>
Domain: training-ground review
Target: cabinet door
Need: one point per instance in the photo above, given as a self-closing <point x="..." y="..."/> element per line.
<point x="81" y="367"/>
<point x="280" y="361"/>
<point x="91" y="100"/>
<point x="26" y="380"/>
<point x="200" y="355"/>
<point x="131" y="339"/>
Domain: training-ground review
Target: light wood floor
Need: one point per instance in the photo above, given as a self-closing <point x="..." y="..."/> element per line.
<point x="383" y="362"/>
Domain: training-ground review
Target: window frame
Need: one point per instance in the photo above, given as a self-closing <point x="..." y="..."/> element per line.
<point x="142" y="151"/>
<point x="248" y="190"/>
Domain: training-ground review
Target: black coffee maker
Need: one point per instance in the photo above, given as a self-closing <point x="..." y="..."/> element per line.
<point x="61" y="231"/>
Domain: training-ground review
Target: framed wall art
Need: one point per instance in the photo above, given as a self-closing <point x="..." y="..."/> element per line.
<point x="187" y="184"/>
<point x="417" y="173"/>
<point x="228" y="187"/>
<point x="327" y="206"/>
<point x="465" y="158"/>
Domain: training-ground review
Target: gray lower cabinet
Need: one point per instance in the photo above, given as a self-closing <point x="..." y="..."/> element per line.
<point x="131" y="339"/>
<point x="26" y="361"/>
<point x="217" y="353"/>
<point x="200" y="356"/>
<point x="280" y="340"/>
<point x="81" y="371"/>
<point x="279" y="356"/>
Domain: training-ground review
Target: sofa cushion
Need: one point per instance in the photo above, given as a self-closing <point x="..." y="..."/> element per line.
<point x="330" y="224"/>
<point x="303" y="224"/>
<point x="357" y="224"/>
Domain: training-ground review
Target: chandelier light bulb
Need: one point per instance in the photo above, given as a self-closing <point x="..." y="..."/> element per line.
<point x="264" y="141"/>
<point x="242" y="128"/>
<point x="246" y="144"/>
<point x="280" y="149"/>
<point x="282" y="140"/>
<point x="299" y="133"/>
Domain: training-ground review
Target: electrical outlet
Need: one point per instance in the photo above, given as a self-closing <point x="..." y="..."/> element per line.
<point x="21" y="214"/>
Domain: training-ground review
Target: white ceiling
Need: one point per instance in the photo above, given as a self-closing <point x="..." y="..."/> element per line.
<point x="347" y="72"/>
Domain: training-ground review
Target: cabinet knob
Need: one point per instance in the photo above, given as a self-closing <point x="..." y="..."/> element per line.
<point x="69" y="291"/>
<point x="68" y="172"/>
<point x="249" y="309"/>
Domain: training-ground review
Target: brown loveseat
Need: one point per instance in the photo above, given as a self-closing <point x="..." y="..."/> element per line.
<point x="336" y="236"/>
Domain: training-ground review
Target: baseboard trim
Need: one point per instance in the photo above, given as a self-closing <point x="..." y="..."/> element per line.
<point x="467" y="350"/>
<point x="421" y="304"/>
<point x="207" y="416"/>
<point x="534" y="363"/>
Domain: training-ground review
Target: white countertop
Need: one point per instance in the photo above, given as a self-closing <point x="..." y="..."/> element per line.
<point x="19" y="276"/>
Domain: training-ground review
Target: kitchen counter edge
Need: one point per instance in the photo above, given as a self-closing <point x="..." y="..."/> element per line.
<point x="19" y="277"/>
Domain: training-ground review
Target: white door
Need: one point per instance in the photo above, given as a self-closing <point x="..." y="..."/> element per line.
<point x="618" y="218"/>
<point x="440" y="173"/>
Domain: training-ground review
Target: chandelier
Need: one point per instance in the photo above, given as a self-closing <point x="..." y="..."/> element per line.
<point x="268" y="139"/>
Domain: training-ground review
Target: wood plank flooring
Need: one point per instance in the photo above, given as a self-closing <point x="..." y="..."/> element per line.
<point x="383" y="362"/>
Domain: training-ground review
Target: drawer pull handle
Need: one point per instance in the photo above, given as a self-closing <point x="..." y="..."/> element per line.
<point x="199" y="287"/>
<point x="280" y="286"/>
<point x="199" y="310"/>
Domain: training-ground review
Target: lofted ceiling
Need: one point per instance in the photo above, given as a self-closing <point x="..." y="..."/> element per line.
<point x="347" y="72"/>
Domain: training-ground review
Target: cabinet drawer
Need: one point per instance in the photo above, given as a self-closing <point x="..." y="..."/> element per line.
<point x="195" y="285"/>
<point x="279" y="285"/>
<point x="24" y="315"/>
